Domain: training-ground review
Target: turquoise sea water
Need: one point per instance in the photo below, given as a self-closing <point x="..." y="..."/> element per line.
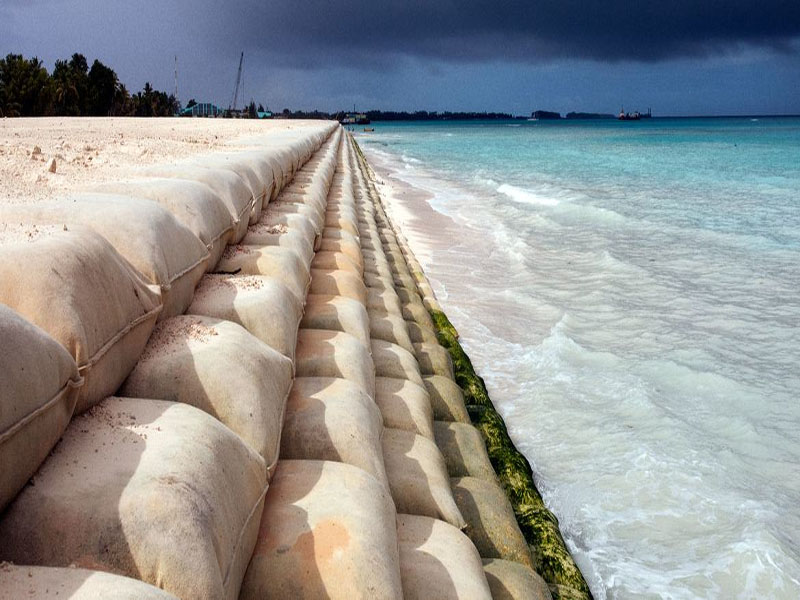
<point x="631" y="291"/>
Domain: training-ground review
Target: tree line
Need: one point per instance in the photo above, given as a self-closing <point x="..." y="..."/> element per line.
<point x="74" y="89"/>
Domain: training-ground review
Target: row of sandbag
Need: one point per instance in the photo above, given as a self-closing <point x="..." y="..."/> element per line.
<point x="167" y="486"/>
<point x="488" y="517"/>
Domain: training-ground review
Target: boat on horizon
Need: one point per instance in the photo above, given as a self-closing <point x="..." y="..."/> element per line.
<point x="634" y="116"/>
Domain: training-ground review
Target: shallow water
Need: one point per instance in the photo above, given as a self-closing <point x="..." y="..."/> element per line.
<point x="630" y="293"/>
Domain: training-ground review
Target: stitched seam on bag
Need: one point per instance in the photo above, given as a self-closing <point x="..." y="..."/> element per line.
<point x="238" y="543"/>
<point x="122" y="332"/>
<point x="190" y="268"/>
<point x="71" y="384"/>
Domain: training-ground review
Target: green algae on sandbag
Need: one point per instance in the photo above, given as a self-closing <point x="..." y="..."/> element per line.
<point x="539" y="526"/>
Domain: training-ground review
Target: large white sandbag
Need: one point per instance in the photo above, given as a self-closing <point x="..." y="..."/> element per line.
<point x="283" y="264"/>
<point x="491" y="524"/>
<point x="328" y="531"/>
<point x="333" y="419"/>
<point x="322" y="353"/>
<point x="282" y="236"/>
<point x="392" y="360"/>
<point x="512" y="581"/>
<point x="433" y="359"/>
<point x="227" y="185"/>
<point x="284" y="222"/>
<point x="337" y="313"/>
<point x="464" y="450"/>
<point x="335" y="282"/>
<point x="447" y="399"/>
<point x="165" y="252"/>
<point x="438" y="561"/>
<point x="39" y="388"/>
<point x="194" y="204"/>
<point x="77" y="288"/>
<point x="37" y="583"/>
<point x="149" y="489"/>
<point x="420" y="333"/>
<point x="404" y="405"/>
<point x="348" y="246"/>
<point x="314" y="214"/>
<point x="336" y="261"/>
<point x="255" y="172"/>
<point x="384" y="301"/>
<point x="418" y="477"/>
<point x="220" y="368"/>
<point x="262" y="305"/>
<point x="390" y="328"/>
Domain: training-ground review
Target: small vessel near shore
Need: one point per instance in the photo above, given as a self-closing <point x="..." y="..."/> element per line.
<point x="634" y="116"/>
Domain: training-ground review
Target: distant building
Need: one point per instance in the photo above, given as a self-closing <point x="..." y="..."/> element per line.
<point x="202" y="109"/>
<point x="264" y="114"/>
<point x="355" y="119"/>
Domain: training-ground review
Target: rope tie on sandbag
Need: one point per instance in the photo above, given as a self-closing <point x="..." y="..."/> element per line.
<point x="191" y="267"/>
<point x="70" y="385"/>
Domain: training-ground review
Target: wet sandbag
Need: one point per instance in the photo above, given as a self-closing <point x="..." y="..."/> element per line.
<point x="281" y="263"/>
<point x="415" y="311"/>
<point x="221" y="369"/>
<point x="447" y="399"/>
<point x="421" y="334"/>
<point x="165" y="252"/>
<point x="390" y="328"/>
<point x="404" y="405"/>
<point x="464" y="450"/>
<point x="194" y="204"/>
<point x="510" y="580"/>
<point x="491" y="524"/>
<point x="77" y="288"/>
<point x="264" y="306"/>
<point x="433" y="359"/>
<point x="155" y="490"/>
<point x="18" y="582"/>
<point x="227" y="185"/>
<point x="333" y="419"/>
<point x="392" y="360"/>
<point x="334" y="282"/>
<point x="328" y="531"/>
<point x="337" y="313"/>
<point x="39" y="388"/>
<point x="418" y="477"/>
<point x="334" y="261"/>
<point x="438" y="561"/>
<point x="323" y="353"/>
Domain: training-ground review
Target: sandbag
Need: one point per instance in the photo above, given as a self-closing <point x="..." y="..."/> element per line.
<point x="385" y="301"/>
<point x="416" y="311"/>
<point x="312" y="213"/>
<point x="268" y="223"/>
<point x="404" y="405"/>
<point x="262" y="305"/>
<point x="433" y="359"/>
<point x="77" y="288"/>
<point x="464" y="450"/>
<point x="334" y="261"/>
<point x="491" y="524"/>
<point x="333" y="419"/>
<point x="338" y="283"/>
<point x="390" y="328"/>
<point x="328" y="531"/>
<point x="284" y="265"/>
<point x="420" y="333"/>
<point x="418" y="477"/>
<point x="18" y="582"/>
<point x="512" y="581"/>
<point x="221" y="369"/>
<point x="447" y="399"/>
<point x="373" y="280"/>
<point x="282" y="236"/>
<point x="165" y="252"/>
<point x="253" y="168"/>
<point x="194" y="204"/>
<point x="155" y="490"/>
<point x="39" y="388"/>
<point x="347" y="246"/>
<point x="341" y="222"/>
<point x="228" y="186"/>
<point x="392" y="360"/>
<point x="322" y="353"/>
<point x="438" y="561"/>
<point x="337" y="313"/>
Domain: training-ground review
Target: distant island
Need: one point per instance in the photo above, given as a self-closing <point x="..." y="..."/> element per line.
<point x="585" y="115"/>
<point x="546" y="115"/>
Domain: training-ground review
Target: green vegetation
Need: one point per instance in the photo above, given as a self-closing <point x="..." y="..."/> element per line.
<point x="539" y="526"/>
<point x="73" y="89"/>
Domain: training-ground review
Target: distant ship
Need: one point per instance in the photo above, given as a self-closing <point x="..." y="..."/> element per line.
<point x="634" y="116"/>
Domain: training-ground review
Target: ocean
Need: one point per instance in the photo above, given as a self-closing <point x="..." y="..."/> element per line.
<point x="631" y="293"/>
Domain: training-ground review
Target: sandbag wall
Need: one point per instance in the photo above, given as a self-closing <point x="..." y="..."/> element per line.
<point x="165" y="482"/>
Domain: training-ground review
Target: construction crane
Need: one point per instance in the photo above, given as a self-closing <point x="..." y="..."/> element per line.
<point x="232" y="106"/>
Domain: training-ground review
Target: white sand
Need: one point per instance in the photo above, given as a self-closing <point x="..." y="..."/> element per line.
<point x="93" y="150"/>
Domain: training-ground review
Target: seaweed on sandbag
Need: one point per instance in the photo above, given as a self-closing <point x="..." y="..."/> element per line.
<point x="539" y="526"/>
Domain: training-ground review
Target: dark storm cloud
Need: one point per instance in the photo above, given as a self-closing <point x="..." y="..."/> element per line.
<point x="296" y="32"/>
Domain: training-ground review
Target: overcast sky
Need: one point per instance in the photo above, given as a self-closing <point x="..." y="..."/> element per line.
<point x="679" y="56"/>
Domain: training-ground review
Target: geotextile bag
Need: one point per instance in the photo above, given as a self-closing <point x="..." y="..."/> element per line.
<point x="491" y="524"/>
<point x="155" y="490"/>
<point x="334" y="282"/>
<point x="322" y="353"/>
<point x="77" y="288"/>
<point x="464" y="450"/>
<point x="433" y="359"/>
<point x="281" y="263"/>
<point x="385" y="301"/>
<point x="328" y="531"/>
<point x="390" y="328"/>
<point x="282" y="236"/>
<point x="438" y="561"/>
<point x="335" y="261"/>
<point x="284" y="222"/>
<point x="404" y="405"/>
<point x="262" y="305"/>
<point x="333" y="419"/>
<point x="314" y="214"/>
<point x="337" y="313"/>
<point x="221" y="369"/>
<point x="392" y="360"/>
<point x="418" y="477"/>
<point x="347" y="246"/>
<point x="39" y="388"/>
<point x="341" y="222"/>
<point x="447" y="399"/>
<point x="74" y="584"/>
<point x="510" y="580"/>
